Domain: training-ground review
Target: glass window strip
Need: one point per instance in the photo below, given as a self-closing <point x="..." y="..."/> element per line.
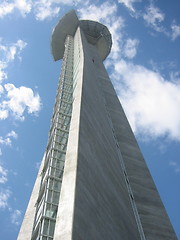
<point x="56" y="148"/>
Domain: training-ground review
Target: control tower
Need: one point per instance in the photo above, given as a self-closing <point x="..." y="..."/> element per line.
<point x="93" y="183"/>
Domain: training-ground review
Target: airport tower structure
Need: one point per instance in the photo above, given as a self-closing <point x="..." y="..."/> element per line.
<point x="93" y="183"/>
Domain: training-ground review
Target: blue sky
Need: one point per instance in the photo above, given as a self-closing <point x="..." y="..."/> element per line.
<point x="144" y="66"/>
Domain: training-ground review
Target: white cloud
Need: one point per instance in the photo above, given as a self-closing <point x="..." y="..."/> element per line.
<point x="5" y="141"/>
<point x="3" y="175"/>
<point x="130" y="48"/>
<point x="45" y="9"/>
<point x="3" y="74"/>
<point x="115" y="27"/>
<point x="20" y="99"/>
<point x="21" y="44"/>
<point x="14" y="50"/>
<point x="16" y="217"/>
<point x="151" y="102"/>
<point x="1" y="89"/>
<point x="23" y="6"/>
<point x="6" y="8"/>
<point x="12" y="134"/>
<point x="50" y="8"/>
<point x="3" y="114"/>
<point x="15" y="100"/>
<point x="153" y="17"/>
<point x="175" y="31"/>
<point x="175" y="165"/>
<point x="11" y="53"/>
<point x="129" y="4"/>
<point x="42" y="9"/>
<point x="8" y="54"/>
<point x="4" y="197"/>
<point x="98" y="13"/>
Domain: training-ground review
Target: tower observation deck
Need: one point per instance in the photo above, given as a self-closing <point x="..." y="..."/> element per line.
<point x="96" y="33"/>
<point x="93" y="183"/>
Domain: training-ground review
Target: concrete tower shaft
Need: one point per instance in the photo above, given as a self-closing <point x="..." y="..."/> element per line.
<point x="96" y="34"/>
<point x="93" y="183"/>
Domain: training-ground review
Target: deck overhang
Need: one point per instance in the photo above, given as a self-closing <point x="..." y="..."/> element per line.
<point x="96" y="33"/>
